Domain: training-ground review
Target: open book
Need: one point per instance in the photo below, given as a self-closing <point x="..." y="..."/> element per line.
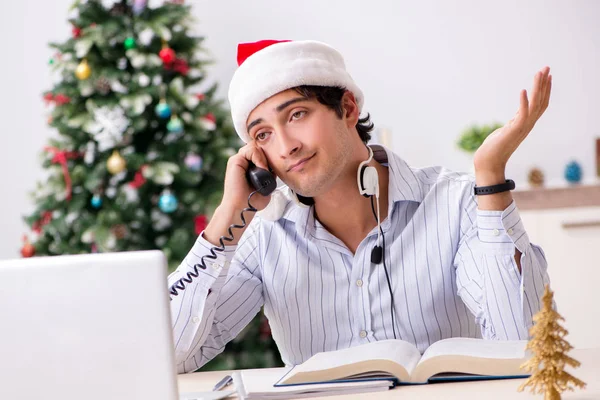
<point x="446" y="360"/>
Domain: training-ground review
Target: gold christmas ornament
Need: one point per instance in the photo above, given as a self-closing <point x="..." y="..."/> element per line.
<point x="549" y="348"/>
<point x="536" y="177"/>
<point x="115" y="163"/>
<point x="83" y="70"/>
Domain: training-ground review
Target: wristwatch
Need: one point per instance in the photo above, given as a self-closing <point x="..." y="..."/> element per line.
<point x="502" y="187"/>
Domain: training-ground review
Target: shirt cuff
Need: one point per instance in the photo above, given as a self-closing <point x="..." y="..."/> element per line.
<point x="502" y="231"/>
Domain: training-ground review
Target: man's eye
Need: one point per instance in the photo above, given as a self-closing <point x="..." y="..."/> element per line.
<point x="261" y="136"/>
<point x="298" y="114"/>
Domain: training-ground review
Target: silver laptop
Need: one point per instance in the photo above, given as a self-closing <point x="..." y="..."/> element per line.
<point x="92" y="327"/>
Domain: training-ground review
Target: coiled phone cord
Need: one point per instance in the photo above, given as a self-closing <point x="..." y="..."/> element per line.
<point x="189" y="276"/>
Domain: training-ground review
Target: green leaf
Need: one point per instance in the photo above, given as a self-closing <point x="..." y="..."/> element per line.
<point x="78" y="120"/>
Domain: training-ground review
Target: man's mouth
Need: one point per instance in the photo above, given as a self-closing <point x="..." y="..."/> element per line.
<point x="300" y="164"/>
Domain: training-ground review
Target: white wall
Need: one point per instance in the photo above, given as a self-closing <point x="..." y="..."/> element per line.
<point x="428" y="69"/>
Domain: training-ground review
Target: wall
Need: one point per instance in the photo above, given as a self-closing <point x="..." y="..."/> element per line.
<point x="428" y="69"/>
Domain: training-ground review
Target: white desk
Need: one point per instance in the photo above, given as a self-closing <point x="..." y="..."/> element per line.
<point x="589" y="372"/>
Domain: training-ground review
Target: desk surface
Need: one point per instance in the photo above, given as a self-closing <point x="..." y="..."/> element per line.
<point x="589" y="372"/>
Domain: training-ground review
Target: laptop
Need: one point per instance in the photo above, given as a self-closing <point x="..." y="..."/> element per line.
<point x="93" y="327"/>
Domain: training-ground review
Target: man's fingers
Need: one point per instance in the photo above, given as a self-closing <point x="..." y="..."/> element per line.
<point x="536" y="93"/>
<point x="547" y="93"/>
<point x="523" y="112"/>
<point x="258" y="159"/>
<point x="255" y="155"/>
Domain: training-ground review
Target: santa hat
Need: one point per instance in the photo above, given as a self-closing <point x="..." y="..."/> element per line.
<point x="268" y="67"/>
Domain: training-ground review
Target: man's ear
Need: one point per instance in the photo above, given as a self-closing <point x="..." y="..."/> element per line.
<point x="350" y="108"/>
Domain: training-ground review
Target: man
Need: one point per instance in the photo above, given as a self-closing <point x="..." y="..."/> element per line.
<point x="454" y="263"/>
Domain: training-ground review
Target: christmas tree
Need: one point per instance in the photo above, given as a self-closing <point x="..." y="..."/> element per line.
<point x="549" y="349"/>
<point x="141" y="151"/>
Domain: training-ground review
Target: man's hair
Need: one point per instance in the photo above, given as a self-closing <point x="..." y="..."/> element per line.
<point x="331" y="97"/>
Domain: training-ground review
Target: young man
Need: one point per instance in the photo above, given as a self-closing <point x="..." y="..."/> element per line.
<point x="455" y="263"/>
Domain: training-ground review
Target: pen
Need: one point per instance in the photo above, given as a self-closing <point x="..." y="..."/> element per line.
<point x="223" y="382"/>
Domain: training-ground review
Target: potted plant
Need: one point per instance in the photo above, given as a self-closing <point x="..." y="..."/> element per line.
<point x="473" y="136"/>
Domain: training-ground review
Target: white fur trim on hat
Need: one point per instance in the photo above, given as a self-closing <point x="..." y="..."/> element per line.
<point x="282" y="66"/>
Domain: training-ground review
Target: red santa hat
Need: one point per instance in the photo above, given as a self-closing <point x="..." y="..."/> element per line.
<point x="268" y="67"/>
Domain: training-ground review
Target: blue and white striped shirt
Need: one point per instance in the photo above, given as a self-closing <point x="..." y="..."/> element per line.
<point x="451" y="266"/>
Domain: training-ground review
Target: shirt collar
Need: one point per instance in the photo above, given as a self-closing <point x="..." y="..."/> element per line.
<point x="403" y="183"/>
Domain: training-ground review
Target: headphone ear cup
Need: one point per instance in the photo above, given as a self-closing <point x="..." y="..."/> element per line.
<point x="361" y="181"/>
<point x="370" y="181"/>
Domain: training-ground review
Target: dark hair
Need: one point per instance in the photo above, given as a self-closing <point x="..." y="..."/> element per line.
<point x="331" y="97"/>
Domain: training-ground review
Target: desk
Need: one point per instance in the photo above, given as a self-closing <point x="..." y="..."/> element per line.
<point x="589" y="372"/>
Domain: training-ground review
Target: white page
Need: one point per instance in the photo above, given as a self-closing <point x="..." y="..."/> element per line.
<point x="397" y="351"/>
<point x="256" y="381"/>
<point x="311" y="394"/>
<point x="497" y="349"/>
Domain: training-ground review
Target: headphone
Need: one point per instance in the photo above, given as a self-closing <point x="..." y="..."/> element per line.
<point x="367" y="177"/>
<point x="368" y="185"/>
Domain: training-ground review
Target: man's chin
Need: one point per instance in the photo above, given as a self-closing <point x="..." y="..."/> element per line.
<point x="305" y="188"/>
<point x="304" y="191"/>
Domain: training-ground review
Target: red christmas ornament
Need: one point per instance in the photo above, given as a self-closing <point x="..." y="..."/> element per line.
<point x="200" y="223"/>
<point x="138" y="179"/>
<point x="211" y="117"/>
<point x="61" y="99"/>
<point x="200" y="96"/>
<point x="209" y="122"/>
<point x="27" y="250"/>
<point x="179" y="65"/>
<point x="76" y="31"/>
<point x="167" y="55"/>
<point x="48" y="97"/>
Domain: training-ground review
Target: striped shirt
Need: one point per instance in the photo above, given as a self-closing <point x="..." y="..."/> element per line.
<point x="451" y="267"/>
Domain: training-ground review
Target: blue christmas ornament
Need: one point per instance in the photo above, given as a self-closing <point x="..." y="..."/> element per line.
<point x="193" y="162"/>
<point x="175" y="125"/>
<point x="163" y="110"/>
<point x="96" y="201"/>
<point x="573" y="172"/>
<point x="167" y="202"/>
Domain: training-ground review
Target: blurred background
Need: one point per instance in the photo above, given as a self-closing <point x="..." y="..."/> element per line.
<point x="433" y="73"/>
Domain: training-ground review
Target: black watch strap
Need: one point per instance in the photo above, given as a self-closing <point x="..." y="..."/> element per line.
<point x="503" y="187"/>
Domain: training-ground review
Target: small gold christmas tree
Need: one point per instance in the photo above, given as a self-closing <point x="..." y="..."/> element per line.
<point x="549" y="348"/>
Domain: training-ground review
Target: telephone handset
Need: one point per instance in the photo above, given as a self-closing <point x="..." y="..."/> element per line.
<point x="261" y="179"/>
<point x="264" y="182"/>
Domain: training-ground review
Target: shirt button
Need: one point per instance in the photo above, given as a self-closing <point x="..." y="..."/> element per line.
<point x="196" y="320"/>
<point x="510" y="231"/>
<point x="496" y="232"/>
<point x="363" y="334"/>
<point x="216" y="265"/>
<point x="359" y="283"/>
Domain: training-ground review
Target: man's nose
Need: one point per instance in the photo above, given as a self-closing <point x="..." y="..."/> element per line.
<point x="288" y="144"/>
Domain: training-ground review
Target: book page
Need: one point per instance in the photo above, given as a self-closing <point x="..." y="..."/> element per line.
<point x="260" y="383"/>
<point x="393" y="356"/>
<point x="472" y="356"/>
<point x="496" y="349"/>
